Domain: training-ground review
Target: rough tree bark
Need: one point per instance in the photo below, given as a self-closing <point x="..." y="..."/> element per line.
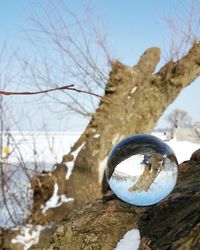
<point x="174" y="223"/>
<point x="138" y="97"/>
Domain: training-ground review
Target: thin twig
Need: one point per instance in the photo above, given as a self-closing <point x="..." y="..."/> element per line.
<point x="90" y="93"/>
<point x="67" y="87"/>
<point x="35" y="92"/>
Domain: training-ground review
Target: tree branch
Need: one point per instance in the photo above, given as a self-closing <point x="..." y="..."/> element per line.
<point x="67" y="87"/>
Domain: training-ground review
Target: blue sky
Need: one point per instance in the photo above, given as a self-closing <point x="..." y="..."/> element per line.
<point x="132" y="27"/>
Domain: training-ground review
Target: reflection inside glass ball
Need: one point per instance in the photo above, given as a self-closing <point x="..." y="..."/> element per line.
<point x="142" y="170"/>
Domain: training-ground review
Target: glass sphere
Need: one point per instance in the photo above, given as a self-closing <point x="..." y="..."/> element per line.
<point x="142" y="170"/>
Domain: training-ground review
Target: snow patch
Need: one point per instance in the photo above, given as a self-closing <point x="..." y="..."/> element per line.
<point x="29" y="235"/>
<point x="130" y="241"/>
<point x="96" y="135"/>
<point x="55" y="200"/>
<point x="133" y="89"/>
<point x="70" y="164"/>
<point x="102" y="167"/>
<point x="182" y="149"/>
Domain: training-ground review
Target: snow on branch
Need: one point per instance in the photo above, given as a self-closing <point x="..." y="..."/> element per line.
<point x="29" y="235"/>
<point x="55" y="200"/>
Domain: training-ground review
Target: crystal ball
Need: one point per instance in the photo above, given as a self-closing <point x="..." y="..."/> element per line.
<point x="142" y="170"/>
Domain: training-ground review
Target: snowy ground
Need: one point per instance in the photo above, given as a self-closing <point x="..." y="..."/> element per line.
<point x="48" y="147"/>
<point x="182" y="149"/>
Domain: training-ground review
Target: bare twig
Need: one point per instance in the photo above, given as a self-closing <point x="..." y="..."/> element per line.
<point x="67" y="87"/>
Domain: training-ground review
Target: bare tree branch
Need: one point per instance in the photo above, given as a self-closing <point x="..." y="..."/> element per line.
<point x="68" y="87"/>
